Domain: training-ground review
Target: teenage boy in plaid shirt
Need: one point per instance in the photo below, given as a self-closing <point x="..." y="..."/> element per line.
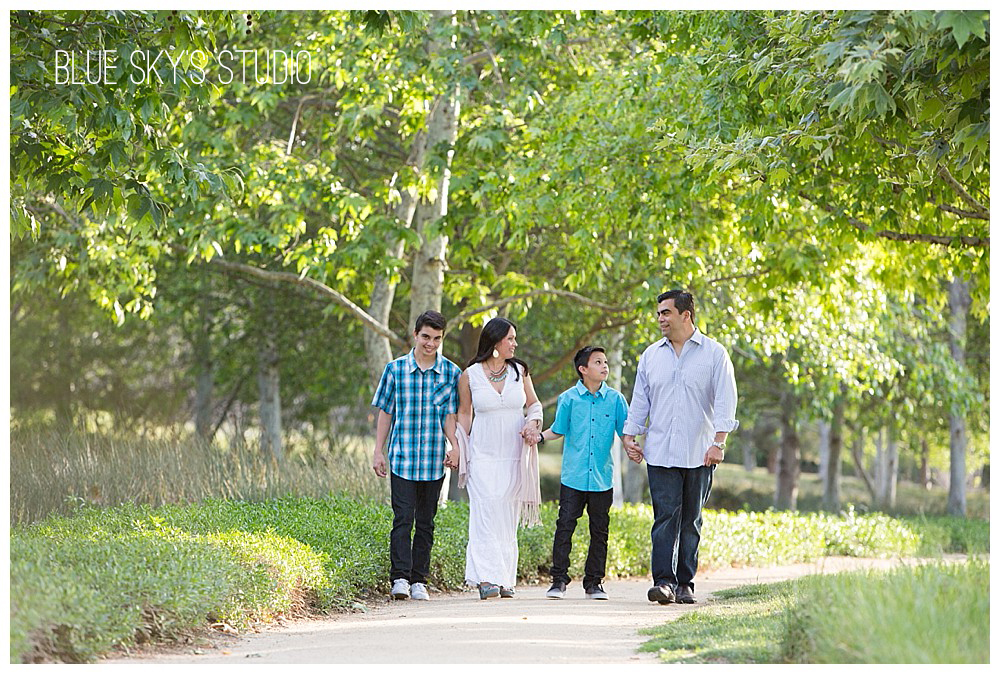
<point x="417" y="399"/>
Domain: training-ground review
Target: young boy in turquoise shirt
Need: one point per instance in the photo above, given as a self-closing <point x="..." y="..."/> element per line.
<point x="587" y="417"/>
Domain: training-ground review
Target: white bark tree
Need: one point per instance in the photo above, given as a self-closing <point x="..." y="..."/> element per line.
<point x="958" y="302"/>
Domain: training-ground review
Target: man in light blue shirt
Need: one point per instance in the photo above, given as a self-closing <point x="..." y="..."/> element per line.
<point x="587" y="416"/>
<point x="684" y="401"/>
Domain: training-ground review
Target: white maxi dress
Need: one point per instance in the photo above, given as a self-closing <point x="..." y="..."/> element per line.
<point x="495" y="447"/>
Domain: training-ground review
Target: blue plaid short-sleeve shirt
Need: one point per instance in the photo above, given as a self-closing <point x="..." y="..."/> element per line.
<point x="418" y="402"/>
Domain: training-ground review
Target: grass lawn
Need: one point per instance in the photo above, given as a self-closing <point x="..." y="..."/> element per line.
<point x="936" y="613"/>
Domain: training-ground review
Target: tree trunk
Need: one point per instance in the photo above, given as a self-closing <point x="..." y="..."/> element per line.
<point x="268" y="381"/>
<point x="786" y="495"/>
<point x="764" y="436"/>
<point x="613" y="347"/>
<point x="925" y="463"/>
<point x="892" y="466"/>
<point x="831" y="475"/>
<point x="204" y="374"/>
<point x="749" y="454"/>
<point x="427" y="281"/>
<point x="378" y="351"/>
<point x="879" y="469"/>
<point x="958" y="302"/>
<point x="887" y="467"/>
<point x="63" y="406"/>
<point x="857" y="453"/>
<point x="823" y="427"/>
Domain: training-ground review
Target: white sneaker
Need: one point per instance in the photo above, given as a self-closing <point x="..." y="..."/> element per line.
<point x="419" y="591"/>
<point x="400" y="589"/>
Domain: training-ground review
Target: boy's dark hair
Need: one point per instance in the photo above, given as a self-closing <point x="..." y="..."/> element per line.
<point x="432" y="319"/>
<point x="582" y="358"/>
<point x="683" y="301"/>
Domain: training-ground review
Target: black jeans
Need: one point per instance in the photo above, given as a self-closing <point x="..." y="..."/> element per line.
<point x="571" y="505"/>
<point x="678" y="495"/>
<point x="412" y="502"/>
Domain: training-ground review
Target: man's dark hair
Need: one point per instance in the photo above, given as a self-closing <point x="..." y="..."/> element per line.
<point x="582" y="358"/>
<point x="683" y="301"/>
<point x="432" y="319"/>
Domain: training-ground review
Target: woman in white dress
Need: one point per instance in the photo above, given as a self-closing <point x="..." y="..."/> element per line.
<point x="502" y="461"/>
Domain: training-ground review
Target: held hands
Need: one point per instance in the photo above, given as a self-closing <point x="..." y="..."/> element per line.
<point x="378" y="463"/>
<point x="632" y="448"/>
<point x="451" y="459"/>
<point x="531" y="434"/>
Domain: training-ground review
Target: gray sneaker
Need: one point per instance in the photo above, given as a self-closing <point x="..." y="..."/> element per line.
<point x="400" y="589"/>
<point x="418" y="591"/>
<point x="557" y="591"/>
<point x="596" y="592"/>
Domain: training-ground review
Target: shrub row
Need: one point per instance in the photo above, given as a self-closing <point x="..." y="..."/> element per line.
<point x="83" y="584"/>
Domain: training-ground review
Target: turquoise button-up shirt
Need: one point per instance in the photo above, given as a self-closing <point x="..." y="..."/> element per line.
<point x="588" y="423"/>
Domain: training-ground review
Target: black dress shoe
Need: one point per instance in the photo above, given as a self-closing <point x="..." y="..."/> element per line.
<point x="506" y="593"/>
<point x="661" y="593"/>
<point x="684" y="594"/>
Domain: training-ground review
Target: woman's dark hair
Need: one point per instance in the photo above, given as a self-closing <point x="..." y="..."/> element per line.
<point x="494" y="331"/>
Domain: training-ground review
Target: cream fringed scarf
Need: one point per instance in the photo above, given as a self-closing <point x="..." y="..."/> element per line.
<point x="529" y="494"/>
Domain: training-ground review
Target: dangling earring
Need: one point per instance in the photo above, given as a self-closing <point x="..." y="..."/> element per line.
<point x="496" y="354"/>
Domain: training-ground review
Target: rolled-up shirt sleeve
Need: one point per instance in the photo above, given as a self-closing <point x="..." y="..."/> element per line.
<point x="638" y="409"/>
<point x="724" y="417"/>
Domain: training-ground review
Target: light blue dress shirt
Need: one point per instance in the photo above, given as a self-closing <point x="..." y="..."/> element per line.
<point x="680" y="402"/>
<point x="588" y="423"/>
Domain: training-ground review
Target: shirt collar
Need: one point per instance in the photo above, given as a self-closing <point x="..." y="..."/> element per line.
<point x="695" y="337"/>
<point x="582" y="389"/>
<point x="412" y="365"/>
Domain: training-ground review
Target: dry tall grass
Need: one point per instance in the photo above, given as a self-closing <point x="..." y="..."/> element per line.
<point x="54" y="471"/>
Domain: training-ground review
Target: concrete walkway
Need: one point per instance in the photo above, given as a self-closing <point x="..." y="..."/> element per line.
<point x="459" y="628"/>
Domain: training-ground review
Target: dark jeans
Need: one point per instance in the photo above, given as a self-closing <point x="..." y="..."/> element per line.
<point x="412" y="502"/>
<point x="571" y="505"/>
<point x="678" y="495"/>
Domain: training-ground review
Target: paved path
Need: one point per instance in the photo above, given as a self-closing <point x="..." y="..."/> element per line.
<point x="459" y="628"/>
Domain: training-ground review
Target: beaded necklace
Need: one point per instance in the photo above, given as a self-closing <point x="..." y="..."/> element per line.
<point x="498" y="376"/>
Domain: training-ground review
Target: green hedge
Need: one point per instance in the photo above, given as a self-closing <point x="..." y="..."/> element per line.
<point x="82" y="584"/>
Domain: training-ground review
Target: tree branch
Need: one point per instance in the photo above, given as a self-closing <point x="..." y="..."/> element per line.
<point x="229" y="404"/>
<point x="940" y="239"/>
<point x="466" y="315"/>
<point x="968" y="198"/>
<point x="980" y="213"/>
<point x="601" y="324"/>
<point x="312" y="284"/>
<point x="295" y="123"/>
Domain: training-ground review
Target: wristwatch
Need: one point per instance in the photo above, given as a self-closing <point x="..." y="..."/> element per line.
<point x="720" y="445"/>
